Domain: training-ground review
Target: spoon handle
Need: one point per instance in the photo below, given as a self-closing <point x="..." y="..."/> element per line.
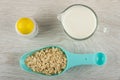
<point x="87" y="59"/>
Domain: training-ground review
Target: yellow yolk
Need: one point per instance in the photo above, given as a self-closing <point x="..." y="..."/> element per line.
<point x="25" y="25"/>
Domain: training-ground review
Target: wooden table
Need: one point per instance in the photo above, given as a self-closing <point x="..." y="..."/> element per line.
<point x="106" y="38"/>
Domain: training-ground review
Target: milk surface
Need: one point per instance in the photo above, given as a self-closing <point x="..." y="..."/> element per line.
<point x="79" y="21"/>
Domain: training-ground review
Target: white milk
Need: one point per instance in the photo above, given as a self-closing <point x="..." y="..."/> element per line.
<point x="79" y="21"/>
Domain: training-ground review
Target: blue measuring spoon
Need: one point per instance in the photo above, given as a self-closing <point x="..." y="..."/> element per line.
<point x="98" y="59"/>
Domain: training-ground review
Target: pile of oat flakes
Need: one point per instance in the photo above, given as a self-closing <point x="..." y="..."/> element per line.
<point x="47" y="61"/>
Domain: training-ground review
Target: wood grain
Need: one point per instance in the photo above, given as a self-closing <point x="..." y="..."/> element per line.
<point x="106" y="38"/>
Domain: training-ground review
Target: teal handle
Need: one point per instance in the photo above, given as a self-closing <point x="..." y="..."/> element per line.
<point x="86" y="59"/>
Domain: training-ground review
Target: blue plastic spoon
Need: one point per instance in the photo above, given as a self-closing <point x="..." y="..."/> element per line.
<point x="72" y="59"/>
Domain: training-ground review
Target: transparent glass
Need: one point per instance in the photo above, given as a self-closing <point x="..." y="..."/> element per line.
<point x="60" y="19"/>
